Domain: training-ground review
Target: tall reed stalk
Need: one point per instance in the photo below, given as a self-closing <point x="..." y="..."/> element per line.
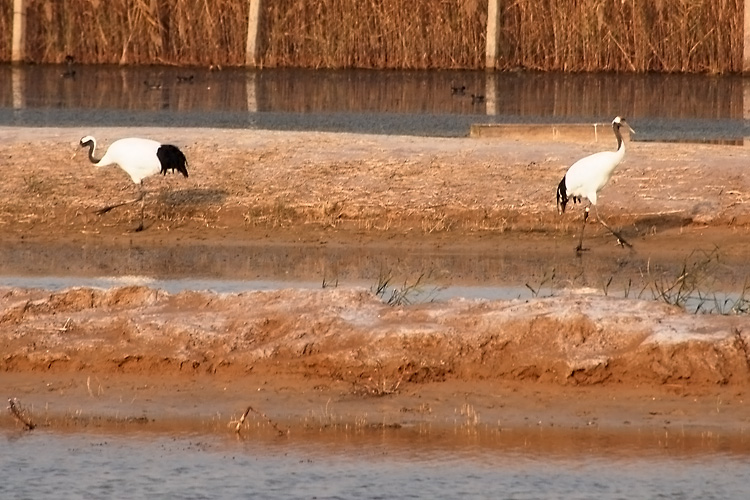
<point x="553" y="35"/>
<point x="6" y="29"/>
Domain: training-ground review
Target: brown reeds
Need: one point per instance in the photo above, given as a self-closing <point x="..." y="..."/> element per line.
<point x="6" y="30"/>
<point x="559" y="35"/>
<point x="623" y="35"/>
<point x="185" y="32"/>
<point x="380" y="34"/>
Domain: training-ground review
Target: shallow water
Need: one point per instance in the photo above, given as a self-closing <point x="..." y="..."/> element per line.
<point x="427" y="276"/>
<point x="660" y="107"/>
<point x="428" y="292"/>
<point x="83" y="465"/>
<point x="705" y="302"/>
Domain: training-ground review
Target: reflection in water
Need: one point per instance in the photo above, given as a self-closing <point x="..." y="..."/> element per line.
<point x="41" y="465"/>
<point x="18" y="88"/>
<point x="662" y="106"/>
<point x="503" y="273"/>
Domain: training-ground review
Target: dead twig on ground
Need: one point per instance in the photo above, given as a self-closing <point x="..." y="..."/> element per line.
<point x="238" y="423"/>
<point x="20" y="414"/>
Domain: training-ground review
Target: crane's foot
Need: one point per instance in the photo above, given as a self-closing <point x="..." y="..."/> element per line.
<point x="621" y="241"/>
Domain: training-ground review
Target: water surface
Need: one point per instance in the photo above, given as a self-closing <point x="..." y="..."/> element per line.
<point x="83" y="465"/>
<point x="660" y="107"/>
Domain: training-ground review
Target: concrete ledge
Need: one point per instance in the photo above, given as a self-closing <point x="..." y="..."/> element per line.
<point x="566" y="132"/>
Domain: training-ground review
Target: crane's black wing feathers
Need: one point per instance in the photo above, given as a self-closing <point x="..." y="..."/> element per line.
<point x="562" y="196"/>
<point x="171" y="158"/>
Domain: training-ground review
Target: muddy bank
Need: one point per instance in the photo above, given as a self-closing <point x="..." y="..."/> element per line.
<point x="353" y="336"/>
<point x="319" y="206"/>
<point x="338" y="359"/>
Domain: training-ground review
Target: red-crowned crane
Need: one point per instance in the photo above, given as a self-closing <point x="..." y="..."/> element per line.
<point x="586" y="177"/>
<point x="139" y="158"/>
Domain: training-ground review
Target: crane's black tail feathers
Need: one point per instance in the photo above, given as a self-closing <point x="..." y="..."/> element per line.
<point x="562" y="196"/>
<point x="171" y="158"/>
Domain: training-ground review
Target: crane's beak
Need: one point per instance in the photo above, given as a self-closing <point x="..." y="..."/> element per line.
<point x="630" y="129"/>
<point x="75" y="153"/>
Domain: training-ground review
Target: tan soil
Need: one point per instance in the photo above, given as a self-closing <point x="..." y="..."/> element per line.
<point x="341" y="358"/>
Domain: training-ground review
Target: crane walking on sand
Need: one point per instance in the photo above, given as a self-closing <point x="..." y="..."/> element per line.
<point x="139" y="158"/>
<point x="587" y="176"/>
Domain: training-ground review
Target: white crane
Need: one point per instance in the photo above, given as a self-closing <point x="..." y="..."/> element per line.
<point x="139" y="158"/>
<point x="586" y="177"/>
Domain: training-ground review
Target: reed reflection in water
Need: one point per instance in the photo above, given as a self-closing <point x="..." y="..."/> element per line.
<point x="664" y="106"/>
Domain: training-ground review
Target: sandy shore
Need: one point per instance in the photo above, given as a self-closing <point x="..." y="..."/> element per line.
<point x="471" y="211"/>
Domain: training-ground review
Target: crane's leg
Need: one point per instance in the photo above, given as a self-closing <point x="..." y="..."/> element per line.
<point x="143" y="204"/>
<point x="106" y="209"/>
<point x="141" y="197"/>
<point x="620" y="240"/>
<point x="580" y="248"/>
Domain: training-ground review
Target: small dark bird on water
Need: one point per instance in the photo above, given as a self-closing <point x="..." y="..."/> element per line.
<point x="477" y="99"/>
<point x="70" y="72"/>
<point x="458" y="90"/>
<point x="152" y="86"/>
<point x="139" y="158"/>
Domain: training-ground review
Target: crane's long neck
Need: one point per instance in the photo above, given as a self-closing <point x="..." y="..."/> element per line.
<point x="91" y="143"/>
<point x="618" y="135"/>
<point x="620" y="153"/>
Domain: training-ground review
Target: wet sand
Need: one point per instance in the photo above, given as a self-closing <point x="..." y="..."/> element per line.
<point x="326" y="207"/>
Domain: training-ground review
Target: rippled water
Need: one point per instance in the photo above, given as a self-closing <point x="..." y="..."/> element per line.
<point x="42" y="465"/>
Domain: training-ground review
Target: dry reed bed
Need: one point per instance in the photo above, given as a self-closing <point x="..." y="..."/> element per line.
<point x="6" y="29"/>
<point x="624" y="35"/>
<point x="589" y="35"/>
<point x="376" y="34"/>
<point x="188" y="32"/>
